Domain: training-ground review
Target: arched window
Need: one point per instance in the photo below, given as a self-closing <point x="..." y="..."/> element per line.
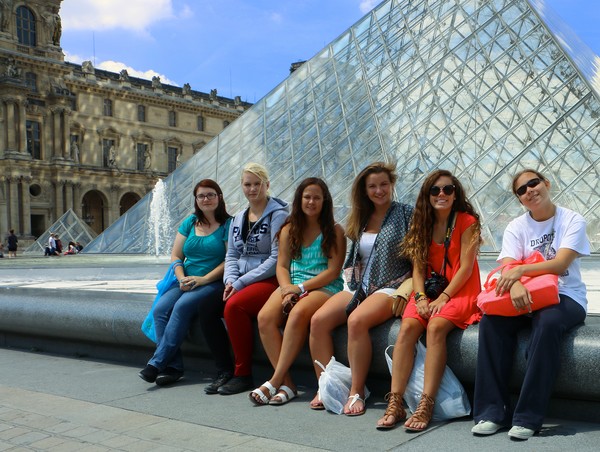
<point x="25" y="26"/>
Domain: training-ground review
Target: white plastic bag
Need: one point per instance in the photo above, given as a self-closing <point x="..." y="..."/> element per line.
<point x="334" y="385"/>
<point x="451" y="400"/>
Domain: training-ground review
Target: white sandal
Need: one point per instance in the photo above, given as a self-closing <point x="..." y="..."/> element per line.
<point x="283" y="396"/>
<point x="262" y="398"/>
<point x="353" y="399"/>
<point x="319" y="405"/>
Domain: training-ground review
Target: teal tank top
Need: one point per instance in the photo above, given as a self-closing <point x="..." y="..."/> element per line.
<point x="311" y="263"/>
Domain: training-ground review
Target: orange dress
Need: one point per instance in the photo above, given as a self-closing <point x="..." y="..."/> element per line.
<point x="462" y="309"/>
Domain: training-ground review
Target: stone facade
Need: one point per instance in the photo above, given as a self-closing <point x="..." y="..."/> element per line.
<point x="73" y="136"/>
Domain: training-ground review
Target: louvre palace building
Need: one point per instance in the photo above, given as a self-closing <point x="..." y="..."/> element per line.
<point x="76" y="137"/>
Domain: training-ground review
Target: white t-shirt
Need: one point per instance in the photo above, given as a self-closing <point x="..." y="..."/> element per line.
<point x="524" y="235"/>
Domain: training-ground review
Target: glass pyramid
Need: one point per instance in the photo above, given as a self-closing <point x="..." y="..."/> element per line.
<point x="69" y="227"/>
<point x="482" y="88"/>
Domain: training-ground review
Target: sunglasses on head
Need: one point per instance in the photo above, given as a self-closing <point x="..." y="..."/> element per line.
<point x="530" y="183"/>
<point x="447" y="189"/>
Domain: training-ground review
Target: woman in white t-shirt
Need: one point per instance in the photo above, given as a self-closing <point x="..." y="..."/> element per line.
<point x="559" y="234"/>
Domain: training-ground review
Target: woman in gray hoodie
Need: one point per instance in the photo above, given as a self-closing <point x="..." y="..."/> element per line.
<point x="249" y="272"/>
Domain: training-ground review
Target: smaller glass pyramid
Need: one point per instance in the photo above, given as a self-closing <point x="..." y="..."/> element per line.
<point x="69" y="227"/>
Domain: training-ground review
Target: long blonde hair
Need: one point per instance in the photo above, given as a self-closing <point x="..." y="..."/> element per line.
<point x="258" y="170"/>
<point x="362" y="206"/>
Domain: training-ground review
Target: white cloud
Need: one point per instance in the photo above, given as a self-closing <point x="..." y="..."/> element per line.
<point x="186" y="12"/>
<point x="115" y="66"/>
<point x="135" y="15"/>
<point x="276" y="17"/>
<point x="368" y="5"/>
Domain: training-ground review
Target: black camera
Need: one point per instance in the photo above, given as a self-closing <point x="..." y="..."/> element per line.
<point x="435" y="285"/>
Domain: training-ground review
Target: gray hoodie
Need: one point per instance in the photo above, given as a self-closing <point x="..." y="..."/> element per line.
<point x="251" y="260"/>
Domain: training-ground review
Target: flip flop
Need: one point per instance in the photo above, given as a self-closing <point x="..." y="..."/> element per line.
<point x="355" y="398"/>
<point x="283" y="396"/>
<point x="319" y="405"/>
<point x="262" y="398"/>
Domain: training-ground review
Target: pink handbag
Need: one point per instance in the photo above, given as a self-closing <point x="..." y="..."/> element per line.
<point x="543" y="289"/>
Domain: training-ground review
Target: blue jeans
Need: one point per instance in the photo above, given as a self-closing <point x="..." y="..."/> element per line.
<point x="173" y="315"/>
<point x="497" y="344"/>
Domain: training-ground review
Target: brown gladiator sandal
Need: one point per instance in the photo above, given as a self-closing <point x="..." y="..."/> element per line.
<point x="394" y="408"/>
<point x="423" y="414"/>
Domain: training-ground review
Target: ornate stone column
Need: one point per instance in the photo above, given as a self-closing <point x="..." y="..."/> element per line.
<point x="77" y="199"/>
<point x="59" y="208"/>
<point x="4" y="191"/>
<point x="113" y="209"/>
<point x="66" y="145"/>
<point x="68" y="195"/>
<point x="11" y="137"/>
<point x="26" y="205"/>
<point x="46" y="132"/>
<point x="22" y="126"/>
<point x="56" y="132"/>
<point x="13" y="200"/>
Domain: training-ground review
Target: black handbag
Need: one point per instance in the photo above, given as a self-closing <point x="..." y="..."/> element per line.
<point x="437" y="282"/>
<point x="358" y="297"/>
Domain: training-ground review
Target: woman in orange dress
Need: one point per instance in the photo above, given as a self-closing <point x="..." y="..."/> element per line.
<point x="443" y="218"/>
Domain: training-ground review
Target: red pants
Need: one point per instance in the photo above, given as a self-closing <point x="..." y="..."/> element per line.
<point x="240" y="311"/>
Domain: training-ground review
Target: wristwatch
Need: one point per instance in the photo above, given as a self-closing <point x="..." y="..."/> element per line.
<point x="302" y="289"/>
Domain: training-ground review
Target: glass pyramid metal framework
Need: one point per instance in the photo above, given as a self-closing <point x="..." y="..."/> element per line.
<point x="483" y="88"/>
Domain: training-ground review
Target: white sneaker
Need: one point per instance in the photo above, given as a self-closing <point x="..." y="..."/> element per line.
<point x="486" y="428"/>
<point x="519" y="432"/>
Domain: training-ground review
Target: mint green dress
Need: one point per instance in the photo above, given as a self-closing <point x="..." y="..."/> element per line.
<point x="312" y="262"/>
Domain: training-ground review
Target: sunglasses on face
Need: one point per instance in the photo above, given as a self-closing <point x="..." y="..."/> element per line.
<point x="209" y="196"/>
<point x="447" y="189"/>
<point x="530" y="183"/>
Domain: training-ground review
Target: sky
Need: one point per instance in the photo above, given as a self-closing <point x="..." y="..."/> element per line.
<point x="239" y="47"/>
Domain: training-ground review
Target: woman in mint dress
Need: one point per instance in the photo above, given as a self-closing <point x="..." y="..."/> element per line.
<point x="311" y="253"/>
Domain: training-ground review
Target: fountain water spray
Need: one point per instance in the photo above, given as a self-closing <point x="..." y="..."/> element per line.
<point x="160" y="221"/>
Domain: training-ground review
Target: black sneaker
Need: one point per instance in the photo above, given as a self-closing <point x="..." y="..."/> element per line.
<point x="237" y="385"/>
<point x="222" y="378"/>
<point x="169" y="376"/>
<point x="148" y="373"/>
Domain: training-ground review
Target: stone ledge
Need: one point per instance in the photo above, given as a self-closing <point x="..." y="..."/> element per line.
<point x="107" y="320"/>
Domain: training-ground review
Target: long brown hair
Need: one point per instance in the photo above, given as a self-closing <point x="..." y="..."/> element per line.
<point x="297" y="220"/>
<point x="221" y="214"/>
<point x="418" y="238"/>
<point x="362" y="206"/>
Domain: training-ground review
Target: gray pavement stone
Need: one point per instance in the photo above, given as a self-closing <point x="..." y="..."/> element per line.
<point x="68" y="446"/>
<point x="29" y="437"/>
<point x="118" y="442"/>
<point x="47" y="443"/>
<point x="12" y="433"/>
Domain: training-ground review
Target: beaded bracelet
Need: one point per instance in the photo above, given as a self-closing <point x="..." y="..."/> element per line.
<point x="419" y="295"/>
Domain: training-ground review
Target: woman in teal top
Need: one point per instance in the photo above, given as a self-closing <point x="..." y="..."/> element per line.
<point x="311" y="253"/>
<point x="198" y="257"/>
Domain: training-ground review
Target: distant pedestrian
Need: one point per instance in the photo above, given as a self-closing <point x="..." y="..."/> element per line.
<point x="59" y="247"/>
<point x="12" y="244"/>
<point x="51" y="248"/>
